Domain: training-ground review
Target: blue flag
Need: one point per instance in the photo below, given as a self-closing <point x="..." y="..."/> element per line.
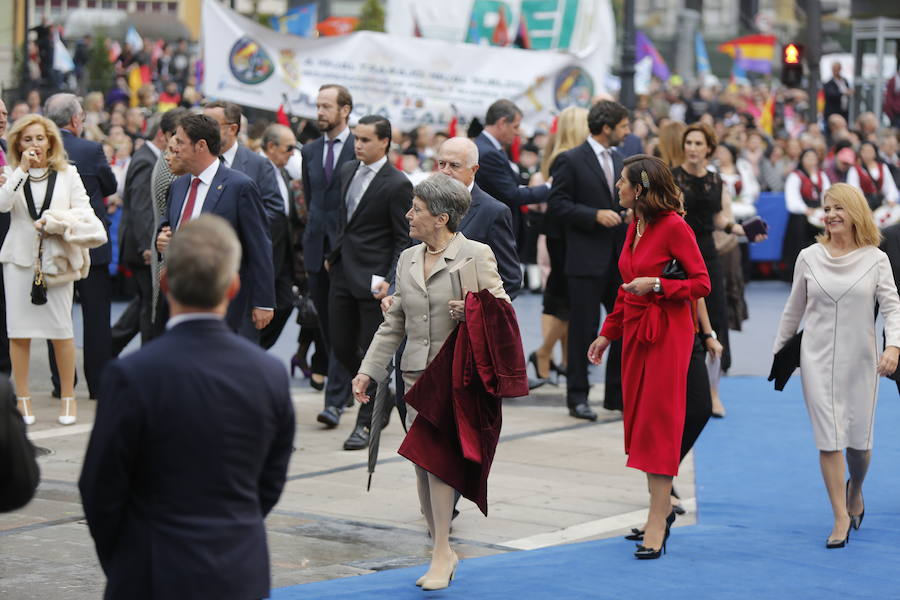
<point x="703" y="67"/>
<point x="297" y="21"/>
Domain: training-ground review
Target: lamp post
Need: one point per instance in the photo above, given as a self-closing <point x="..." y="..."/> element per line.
<point x="626" y="72"/>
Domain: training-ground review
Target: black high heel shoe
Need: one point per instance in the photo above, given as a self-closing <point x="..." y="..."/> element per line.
<point x="855" y="520"/>
<point x="532" y="358"/>
<point x="645" y="553"/>
<point x="299" y="362"/>
<point x="832" y="544"/>
<point x="636" y="535"/>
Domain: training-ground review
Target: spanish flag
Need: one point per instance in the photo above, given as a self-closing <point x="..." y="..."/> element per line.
<point x="757" y="52"/>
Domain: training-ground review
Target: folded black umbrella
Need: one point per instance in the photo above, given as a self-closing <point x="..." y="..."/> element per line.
<point x="786" y="361"/>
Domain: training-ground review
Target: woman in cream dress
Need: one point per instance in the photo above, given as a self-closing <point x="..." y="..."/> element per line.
<point x="425" y="312"/>
<point x="837" y="283"/>
<point x="36" y="157"/>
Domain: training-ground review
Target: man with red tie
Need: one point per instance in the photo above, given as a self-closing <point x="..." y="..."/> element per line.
<point x="211" y="187"/>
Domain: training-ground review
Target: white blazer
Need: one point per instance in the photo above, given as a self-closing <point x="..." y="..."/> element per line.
<point x="20" y="246"/>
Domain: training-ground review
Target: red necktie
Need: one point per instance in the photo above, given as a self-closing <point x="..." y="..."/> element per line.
<point x="189" y="205"/>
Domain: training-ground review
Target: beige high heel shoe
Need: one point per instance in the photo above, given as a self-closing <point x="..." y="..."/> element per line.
<point x="69" y="410"/>
<point x="24" y="405"/>
<point x="439" y="583"/>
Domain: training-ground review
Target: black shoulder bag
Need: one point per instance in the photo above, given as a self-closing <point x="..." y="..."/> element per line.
<point x="38" y="285"/>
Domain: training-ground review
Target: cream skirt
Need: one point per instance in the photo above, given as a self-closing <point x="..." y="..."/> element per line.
<point x="52" y="321"/>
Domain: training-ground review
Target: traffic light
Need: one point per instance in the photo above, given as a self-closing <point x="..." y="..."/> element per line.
<point x="792" y="64"/>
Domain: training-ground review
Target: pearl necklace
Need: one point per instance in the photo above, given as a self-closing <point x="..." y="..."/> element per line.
<point x="440" y="250"/>
<point x="637" y="229"/>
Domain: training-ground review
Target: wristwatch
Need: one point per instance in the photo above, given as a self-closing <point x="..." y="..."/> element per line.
<point x="657" y="286"/>
<point x="706" y="336"/>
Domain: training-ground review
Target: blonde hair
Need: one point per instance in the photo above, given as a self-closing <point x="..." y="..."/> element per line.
<point x="865" y="233"/>
<point x="670" y="145"/>
<point x="571" y="131"/>
<point x="57" y="159"/>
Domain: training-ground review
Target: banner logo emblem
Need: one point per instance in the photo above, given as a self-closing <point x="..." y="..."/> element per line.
<point x="573" y="87"/>
<point x="249" y="63"/>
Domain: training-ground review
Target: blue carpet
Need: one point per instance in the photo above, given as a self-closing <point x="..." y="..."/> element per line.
<point x="763" y="520"/>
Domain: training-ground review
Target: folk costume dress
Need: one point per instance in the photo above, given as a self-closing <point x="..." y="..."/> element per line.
<point x="657" y="332"/>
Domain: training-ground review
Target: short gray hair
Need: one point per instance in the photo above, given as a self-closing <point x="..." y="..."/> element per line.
<point x="272" y="135"/>
<point x="60" y="108"/>
<point x="443" y="194"/>
<point x="203" y="258"/>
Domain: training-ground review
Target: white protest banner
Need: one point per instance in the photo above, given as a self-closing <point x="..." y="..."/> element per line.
<point x="410" y="81"/>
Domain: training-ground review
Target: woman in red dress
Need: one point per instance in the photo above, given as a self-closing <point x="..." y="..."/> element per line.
<point x="653" y="317"/>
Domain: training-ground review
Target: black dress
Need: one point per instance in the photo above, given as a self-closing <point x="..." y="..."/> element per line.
<point x="702" y="201"/>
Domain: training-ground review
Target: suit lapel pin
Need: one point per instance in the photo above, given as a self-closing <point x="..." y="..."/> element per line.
<point x="220" y="187"/>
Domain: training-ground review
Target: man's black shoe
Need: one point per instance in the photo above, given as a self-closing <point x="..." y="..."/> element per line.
<point x="330" y="417"/>
<point x="582" y="411"/>
<point x="358" y="440"/>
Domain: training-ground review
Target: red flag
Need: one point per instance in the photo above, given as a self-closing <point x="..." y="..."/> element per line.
<point x="451" y="128"/>
<point x="282" y="117"/>
<point x="501" y="35"/>
<point x="523" y="39"/>
<point x="555" y="125"/>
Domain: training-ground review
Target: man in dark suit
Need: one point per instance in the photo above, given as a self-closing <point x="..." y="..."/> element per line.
<point x="373" y="233"/>
<point x="240" y="158"/>
<point x="890" y="244"/>
<point x="278" y="143"/>
<point x="322" y="159"/>
<point x="211" y="187"/>
<point x="837" y="92"/>
<point x="136" y="236"/>
<point x="495" y="174"/>
<point x="488" y="220"/>
<point x="95" y="291"/>
<point x="584" y="201"/>
<point x="191" y="442"/>
<point x="5" y="364"/>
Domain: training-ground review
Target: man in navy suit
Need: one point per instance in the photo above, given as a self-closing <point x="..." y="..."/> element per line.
<point x="5" y="364"/>
<point x="240" y="158"/>
<point x="488" y="220"/>
<point x="496" y="174"/>
<point x="211" y="187"/>
<point x="95" y="291"/>
<point x="322" y="160"/>
<point x="191" y="441"/>
<point x="584" y="201"/>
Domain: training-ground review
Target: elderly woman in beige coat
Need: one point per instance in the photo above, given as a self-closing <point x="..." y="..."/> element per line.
<point x="425" y="312"/>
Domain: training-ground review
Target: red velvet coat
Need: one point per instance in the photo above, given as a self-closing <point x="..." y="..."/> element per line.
<point x="459" y="396"/>
<point x="657" y="333"/>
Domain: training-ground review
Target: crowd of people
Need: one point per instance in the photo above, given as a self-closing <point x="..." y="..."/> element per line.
<point x="634" y="225"/>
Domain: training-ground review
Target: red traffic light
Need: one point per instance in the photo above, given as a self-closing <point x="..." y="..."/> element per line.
<point x="792" y="54"/>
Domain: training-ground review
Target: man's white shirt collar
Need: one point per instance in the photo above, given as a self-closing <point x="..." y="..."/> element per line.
<point x="230" y="154"/>
<point x="341" y="137"/>
<point x="597" y="147"/>
<point x="209" y="172"/>
<point x="492" y="140"/>
<point x="156" y="151"/>
<point x="198" y="316"/>
<point x="375" y="166"/>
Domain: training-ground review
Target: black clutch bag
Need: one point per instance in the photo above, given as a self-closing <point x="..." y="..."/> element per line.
<point x="307" y="316"/>
<point x="38" y="285"/>
<point x="673" y="270"/>
<point x="786" y="361"/>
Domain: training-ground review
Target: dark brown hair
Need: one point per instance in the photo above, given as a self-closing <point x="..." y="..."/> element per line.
<point x="343" y="94"/>
<point x="659" y="192"/>
<point x="708" y="132"/>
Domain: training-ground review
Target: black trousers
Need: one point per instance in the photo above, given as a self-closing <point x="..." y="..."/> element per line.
<point x="283" y="303"/>
<point x="698" y="407"/>
<point x="587" y="296"/>
<point x="94" y="292"/>
<point x="5" y="363"/>
<point x="337" y="387"/>
<point x="137" y="315"/>
<point x="354" y="322"/>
